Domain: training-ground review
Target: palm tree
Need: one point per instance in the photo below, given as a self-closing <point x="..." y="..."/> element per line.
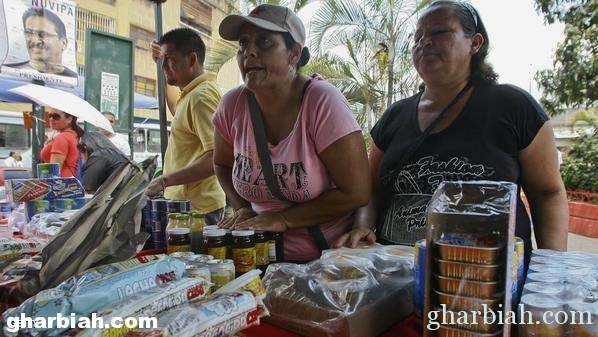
<point x="223" y="51"/>
<point x="376" y="36"/>
<point x="346" y="35"/>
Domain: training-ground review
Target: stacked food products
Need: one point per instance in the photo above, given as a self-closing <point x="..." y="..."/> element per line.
<point x="48" y="193"/>
<point x="155" y="219"/>
<point x="449" y="271"/>
<point x="470" y="246"/>
<point x="562" y="286"/>
<point x="347" y="292"/>
<point x="13" y="247"/>
<point x="166" y="287"/>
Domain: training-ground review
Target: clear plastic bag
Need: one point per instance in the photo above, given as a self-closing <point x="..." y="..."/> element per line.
<point x="46" y="225"/>
<point x="319" y="298"/>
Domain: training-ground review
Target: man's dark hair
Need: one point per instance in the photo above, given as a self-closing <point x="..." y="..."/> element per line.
<point x="186" y="41"/>
<point x="108" y="113"/>
<point x="35" y="11"/>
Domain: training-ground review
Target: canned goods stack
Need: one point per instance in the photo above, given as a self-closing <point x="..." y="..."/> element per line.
<point x="561" y="282"/>
<point x="455" y="269"/>
<point x="155" y="219"/>
<point x="466" y="276"/>
<point x="158" y="221"/>
<point x="179" y="206"/>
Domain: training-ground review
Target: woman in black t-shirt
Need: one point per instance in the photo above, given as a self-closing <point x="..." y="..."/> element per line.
<point x="101" y="157"/>
<point x="486" y="131"/>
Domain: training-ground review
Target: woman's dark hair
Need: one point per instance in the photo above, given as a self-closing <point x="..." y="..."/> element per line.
<point x="481" y="70"/>
<point x="93" y="141"/>
<point x="289" y="43"/>
<point x="74" y="125"/>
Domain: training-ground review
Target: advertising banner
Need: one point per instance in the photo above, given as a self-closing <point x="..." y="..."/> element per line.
<point x="37" y="41"/>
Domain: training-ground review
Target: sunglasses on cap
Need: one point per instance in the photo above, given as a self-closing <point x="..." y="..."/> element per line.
<point x="54" y="116"/>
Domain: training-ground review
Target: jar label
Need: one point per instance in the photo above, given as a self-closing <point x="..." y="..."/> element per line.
<point x="272" y="251"/>
<point x="177" y="248"/>
<point x="244" y="259"/>
<point x="219" y="253"/>
<point x="262" y="254"/>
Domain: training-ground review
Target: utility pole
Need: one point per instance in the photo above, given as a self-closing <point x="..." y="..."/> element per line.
<point x="161" y="84"/>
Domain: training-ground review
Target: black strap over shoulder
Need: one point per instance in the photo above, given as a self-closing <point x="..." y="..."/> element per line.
<point x="267" y="167"/>
<point x="401" y="160"/>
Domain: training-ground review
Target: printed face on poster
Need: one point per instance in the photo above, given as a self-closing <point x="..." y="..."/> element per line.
<point x="39" y="42"/>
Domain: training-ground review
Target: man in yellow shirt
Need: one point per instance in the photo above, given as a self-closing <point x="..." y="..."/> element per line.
<point x="188" y="162"/>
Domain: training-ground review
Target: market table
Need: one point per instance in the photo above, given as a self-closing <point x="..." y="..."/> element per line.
<point x="408" y="327"/>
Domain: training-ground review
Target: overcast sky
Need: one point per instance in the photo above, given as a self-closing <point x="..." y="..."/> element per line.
<point x="521" y="43"/>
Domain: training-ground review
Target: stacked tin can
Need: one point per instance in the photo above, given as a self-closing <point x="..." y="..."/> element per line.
<point x="179" y="206"/>
<point x="420" y="273"/>
<point x="561" y="282"/>
<point x="155" y="219"/>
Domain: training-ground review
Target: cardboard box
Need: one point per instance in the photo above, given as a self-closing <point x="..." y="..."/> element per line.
<point x="371" y="320"/>
<point x="22" y="190"/>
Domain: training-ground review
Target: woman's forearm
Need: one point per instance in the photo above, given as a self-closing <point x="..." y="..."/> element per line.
<point x="550" y="216"/>
<point x="365" y="217"/>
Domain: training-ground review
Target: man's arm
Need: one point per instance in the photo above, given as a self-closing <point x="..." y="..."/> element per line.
<point x="171" y="92"/>
<point x="200" y="169"/>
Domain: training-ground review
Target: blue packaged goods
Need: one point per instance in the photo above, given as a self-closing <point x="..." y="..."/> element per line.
<point x="419" y="276"/>
<point x="36" y="207"/>
<point x="5" y="209"/>
<point x="61" y="205"/>
<point x="149" y="303"/>
<point x="158" y="220"/>
<point x="99" y="287"/>
<point x="21" y="190"/>
<point x="518" y="271"/>
<point x="79" y="203"/>
<point x="48" y="170"/>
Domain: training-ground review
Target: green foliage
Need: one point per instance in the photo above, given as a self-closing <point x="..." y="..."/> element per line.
<point x="573" y="80"/>
<point x="371" y="40"/>
<point x="360" y="46"/>
<point x="581" y="164"/>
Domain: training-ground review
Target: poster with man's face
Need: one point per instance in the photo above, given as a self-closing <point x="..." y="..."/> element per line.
<point x="39" y="42"/>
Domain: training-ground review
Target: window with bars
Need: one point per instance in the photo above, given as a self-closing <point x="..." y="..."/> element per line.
<point x="145" y="86"/>
<point x="88" y="19"/>
<point x="142" y="37"/>
<point x="197" y="14"/>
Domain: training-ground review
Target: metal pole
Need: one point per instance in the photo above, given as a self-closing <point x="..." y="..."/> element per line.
<point x="161" y="86"/>
<point x="38" y="132"/>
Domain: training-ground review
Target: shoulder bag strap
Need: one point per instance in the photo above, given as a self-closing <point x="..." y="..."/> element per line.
<point x="267" y="168"/>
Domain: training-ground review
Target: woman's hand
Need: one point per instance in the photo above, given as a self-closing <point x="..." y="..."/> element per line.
<point x="239" y="216"/>
<point x="269" y="222"/>
<point x="356" y="235"/>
